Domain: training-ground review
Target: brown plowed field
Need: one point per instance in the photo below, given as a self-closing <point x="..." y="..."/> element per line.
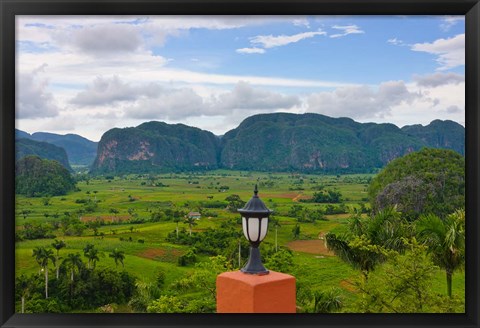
<point x="106" y="218"/>
<point x="289" y="195"/>
<point x="310" y="246"/>
<point x="153" y="253"/>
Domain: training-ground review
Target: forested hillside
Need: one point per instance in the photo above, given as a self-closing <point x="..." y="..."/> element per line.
<point x="271" y="142"/>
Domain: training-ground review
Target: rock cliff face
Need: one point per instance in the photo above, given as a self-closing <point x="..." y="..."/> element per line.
<point x="156" y="146"/>
<point x="271" y="142"/>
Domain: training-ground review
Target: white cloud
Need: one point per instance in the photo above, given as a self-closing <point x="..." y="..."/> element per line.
<point x="361" y="101"/>
<point x="450" y="52"/>
<point x="396" y="42"/>
<point x="244" y="96"/>
<point x="33" y="99"/>
<point x="168" y="104"/>
<point x="104" y="39"/>
<point x="346" y="29"/>
<point x="185" y="103"/>
<point x="270" y="41"/>
<point x="105" y="91"/>
<point x="450" y="21"/>
<point x="250" y="51"/>
<point x="438" y="79"/>
<point x="453" y="109"/>
<point x="301" y="22"/>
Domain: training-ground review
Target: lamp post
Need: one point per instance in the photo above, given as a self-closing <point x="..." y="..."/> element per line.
<point x="255" y="226"/>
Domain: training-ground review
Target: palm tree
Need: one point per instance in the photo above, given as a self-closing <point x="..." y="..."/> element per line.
<point x="42" y="256"/>
<point x="276" y="225"/>
<point x="58" y="245"/>
<point x="358" y="257"/>
<point x="86" y="250"/>
<point x="73" y="261"/>
<point x="385" y="229"/>
<point x="445" y="240"/>
<point x="92" y="256"/>
<point x="177" y="219"/>
<point x="24" y="285"/>
<point x="118" y="256"/>
<point x="191" y="222"/>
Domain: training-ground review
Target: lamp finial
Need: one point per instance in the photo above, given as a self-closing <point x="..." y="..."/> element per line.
<point x="256" y="190"/>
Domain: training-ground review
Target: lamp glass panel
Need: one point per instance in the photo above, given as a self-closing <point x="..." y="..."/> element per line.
<point x="253" y="225"/>
<point x="264" y="228"/>
<point x="244" y="226"/>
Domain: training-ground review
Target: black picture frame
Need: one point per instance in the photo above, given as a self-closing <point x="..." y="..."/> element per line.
<point x="10" y="8"/>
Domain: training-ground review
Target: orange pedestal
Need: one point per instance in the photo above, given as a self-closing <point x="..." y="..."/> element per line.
<point x="238" y="292"/>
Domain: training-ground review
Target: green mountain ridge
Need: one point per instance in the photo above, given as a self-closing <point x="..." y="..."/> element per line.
<point x="80" y="150"/>
<point x="25" y="147"/>
<point x="271" y="142"/>
<point x="156" y="146"/>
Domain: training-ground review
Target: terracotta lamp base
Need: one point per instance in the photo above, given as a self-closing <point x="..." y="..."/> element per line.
<point x="238" y="292"/>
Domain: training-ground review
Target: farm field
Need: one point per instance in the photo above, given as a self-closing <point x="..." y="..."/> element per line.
<point x="133" y="214"/>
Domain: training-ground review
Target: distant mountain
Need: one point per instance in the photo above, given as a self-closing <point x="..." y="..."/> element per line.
<point x="156" y="146"/>
<point x="25" y="147"/>
<point x="271" y="142"/>
<point x="313" y="142"/>
<point x="22" y="134"/>
<point x="80" y="150"/>
<point x="440" y="134"/>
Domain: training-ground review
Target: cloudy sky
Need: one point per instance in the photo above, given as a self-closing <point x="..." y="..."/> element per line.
<point x="88" y="74"/>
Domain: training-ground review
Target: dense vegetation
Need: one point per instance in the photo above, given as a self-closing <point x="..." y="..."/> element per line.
<point x="75" y="287"/>
<point x="35" y="177"/>
<point x="428" y="181"/>
<point x="132" y="234"/>
<point x="271" y="142"/>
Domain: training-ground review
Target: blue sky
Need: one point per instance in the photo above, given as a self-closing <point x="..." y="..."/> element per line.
<point x="86" y="75"/>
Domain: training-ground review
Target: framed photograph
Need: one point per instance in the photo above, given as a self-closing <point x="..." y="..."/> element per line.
<point x="214" y="163"/>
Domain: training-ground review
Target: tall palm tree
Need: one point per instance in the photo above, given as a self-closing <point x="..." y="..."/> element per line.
<point x="445" y="240"/>
<point x="24" y="285"/>
<point x="191" y="222"/>
<point x="118" y="256"/>
<point x="177" y="219"/>
<point x="43" y="256"/>
<point x="58" y="245"/>
<point x="92" y="256"/>
<point x="276" y="225"/>
<point x="86" y="250"/>
<point x="73" y="262"/>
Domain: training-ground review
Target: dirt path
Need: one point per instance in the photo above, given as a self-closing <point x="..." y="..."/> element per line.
<point x="297" y="198"/>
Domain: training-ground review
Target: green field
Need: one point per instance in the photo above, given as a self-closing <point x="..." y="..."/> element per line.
<point x="119" y="200"/>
